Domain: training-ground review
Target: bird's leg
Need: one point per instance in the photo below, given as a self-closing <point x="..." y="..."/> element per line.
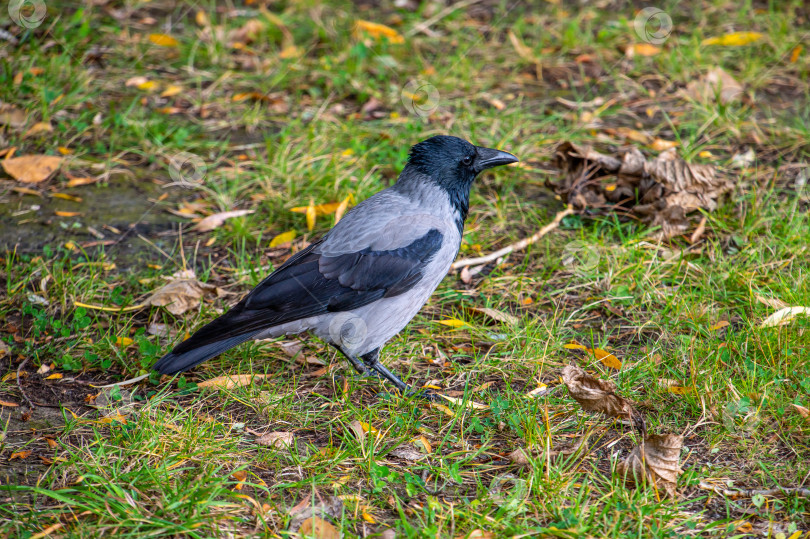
<point x="358" y="365"/>
<point x="372" y="361"/>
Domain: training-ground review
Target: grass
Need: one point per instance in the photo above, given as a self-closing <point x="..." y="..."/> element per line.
<point x="269" y="128"/>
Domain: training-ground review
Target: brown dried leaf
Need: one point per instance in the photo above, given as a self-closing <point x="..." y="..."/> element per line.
<point x="407" y="452"/>
<point x="597" y="395"/>
<point x="182" y="293"/>
<point x="31" y="168"/>
<point x="319" y="509"/>
<point x="216" y="220"/>
<point x="276" y="439"/>
<point x="495" y="314"/>
<point x="716" y="85"/>
<point x="11" y="115"/>
<point x="656" y="461"/>
<point x="230" y="382"/>
<point x="661" y="192"/>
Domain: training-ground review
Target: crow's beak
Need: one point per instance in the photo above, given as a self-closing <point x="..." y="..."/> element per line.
<point x="488" y="158"/>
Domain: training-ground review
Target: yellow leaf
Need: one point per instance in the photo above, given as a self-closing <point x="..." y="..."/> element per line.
<point x="447" y="411"/>
<point x="794" y="57"/>
<point x="54" y="376"/>
<point x="574" y="346"/>
<point x="368" y="518"/>
<point x="163" y="40"/>
<point x="679" y="390"/>
<point x="536" y="392"/>
<point x="37" y="128"/>
<point x="284" y="237"/>
<point x="341" y="209"/>
<point x="796" y="534"/>
<point x="70" y="246"/>
<point x="320" y="209"/>
<point x="469" y="404"/>
<point x="75" y="182"/>
<point x="377" y="31"/>
<point x="734" y="39"/>
<point x="31" y="168"/>
<point x="719" y="325"/>
<point x="659" y="144"/>
<point x="425" y="443"/>
<point x="452" y="322"/>
<point x="290" y="51"/>
<point x="123" y="341"/>
<point x="147" y="85"/>
<point x="64" y="151"/>
<point x="171" y="90"/>
<point x="645" y="49"/>
<point x="607" y="359"/>
<point x="65" y="196"/>
<point x="59" y="213"/>
<point x="201" y="18"/>
<point x="312" y="215"/>
<point x="27" y="191"/>
<point x="706" y="154"/>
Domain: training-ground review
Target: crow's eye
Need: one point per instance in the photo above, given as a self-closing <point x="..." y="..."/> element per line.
<point x="467" y="161"/>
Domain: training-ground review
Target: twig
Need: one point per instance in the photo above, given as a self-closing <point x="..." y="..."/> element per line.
<point x="748" y="493"/>
<point x="425" y="25"/>
<point x="522" y="244"/>
<point x="19" y="385"/>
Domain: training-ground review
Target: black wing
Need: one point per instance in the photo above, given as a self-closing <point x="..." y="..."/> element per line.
<point x="308" y="284"/>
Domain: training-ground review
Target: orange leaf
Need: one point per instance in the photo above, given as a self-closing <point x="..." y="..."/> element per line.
<point x="31" y="168"/>
<point x="163" y="40"/>
<point x="312" y="215"/>
<point x="19" y="455"/>
<point x="377" y="31"/>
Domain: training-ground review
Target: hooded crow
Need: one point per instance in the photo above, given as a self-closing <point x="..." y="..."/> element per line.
<point x="361" y="283"/>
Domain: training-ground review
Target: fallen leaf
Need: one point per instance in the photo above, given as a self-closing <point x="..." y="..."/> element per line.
<point x="659" y="192"/>
<point x="607" y="359"/>
<point x="734" y="39"/>
<point x="232" y="381"/>
<point x="642" y="49"/>
<point x="804" y="412"/>
<point x="452" y="322"/>
<point x="771" y="302"/>
<point x="744" y="160"/>
<point x="312" y="214"/>
<point x="163" y="40"/>
<point x="306" y="509"/>
<point x="216" y="220"/>
<point x="715" y="85"/>
<point x="284" y="237"/>
<point x="60" y="213"/>
<point x="39" y="128"/>
<point x="31" y="168"/>
<point x="377" y="31"/>
<point x="656" y="461"/>
<point x="8" y="404"/>
<point x="11" y="115"/>
<point x="247" y="33"/>
<point x="477" y="534"/>
<point x="276" y="439"/>
<point x="65" y="196"/>
<point x="77" y="181"/>
<point x="341" y="209"/>
<point x="598" y="395"/>
<point x="784" y="316"/>
<point x="719" y="325"/>
<point x="536" y="392"/>
<point x="472" y="405"/>
<point x="321" y="209"/>
<point x="407" y="452"/>
<point x="318" y="528"/>
<point x="660" y="145"/>
<point x="26" y="191"/>
<point x="182" y="294"/>
<point x="55" y="376"/>
<point x="19" y="455"/>
<point x="171" y="91"/>
<point x="495" y="314"/>
<point x="795" y="53"/>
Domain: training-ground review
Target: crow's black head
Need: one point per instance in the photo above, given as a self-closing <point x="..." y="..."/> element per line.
<point x="453" y="164"/>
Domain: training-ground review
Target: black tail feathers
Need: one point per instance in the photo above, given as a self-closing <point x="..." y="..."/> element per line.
<point x="185" y="355"/>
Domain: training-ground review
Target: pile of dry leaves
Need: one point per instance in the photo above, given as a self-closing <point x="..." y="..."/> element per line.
<point x="661" y="192"/>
